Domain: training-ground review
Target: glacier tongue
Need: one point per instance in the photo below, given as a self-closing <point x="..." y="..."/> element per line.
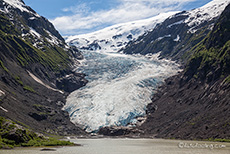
<point x="120" y="86"/>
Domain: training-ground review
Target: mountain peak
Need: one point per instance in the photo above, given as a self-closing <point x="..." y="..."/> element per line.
<point x="18" y="4"/>
<point x="205" y="13"/>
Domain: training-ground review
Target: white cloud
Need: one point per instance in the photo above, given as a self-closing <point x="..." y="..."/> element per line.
<point x="128" y="10"/>
<point x="77" y="9"/>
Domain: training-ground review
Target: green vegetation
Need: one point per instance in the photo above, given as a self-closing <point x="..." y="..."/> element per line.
<point x="28" y="88"/>
<point x="206" y="60"/>
<point x="218" y="140"/>
<point x="46" y="142"/>
<point x="227" y="79"/>
<point x="13" y="135"/>
<point x="2" y="66"/>
<point x="212" y="54"/>
<point x="18" y="79"/>
<point x="52" y="57"/>
<point x="6" y="25"/>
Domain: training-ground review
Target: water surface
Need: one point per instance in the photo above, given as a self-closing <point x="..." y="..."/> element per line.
<point x="131" y="146"/>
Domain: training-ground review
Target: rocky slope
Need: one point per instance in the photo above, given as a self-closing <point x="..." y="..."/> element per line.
<point x="33" y="60"/>
<point x="195" y="103"/>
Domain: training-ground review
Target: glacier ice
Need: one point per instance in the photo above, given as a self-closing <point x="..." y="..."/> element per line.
<point x="120" y="86"/>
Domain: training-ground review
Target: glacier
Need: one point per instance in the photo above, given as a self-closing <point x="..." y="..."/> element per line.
<point x="119" y="89"/>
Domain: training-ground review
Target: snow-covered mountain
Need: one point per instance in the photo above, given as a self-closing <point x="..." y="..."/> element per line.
<point x="204" y="14"/>
<point x="177" y="35"/>
<point x="113" y="38"/>
<point x="17" y="4"/>
<point x="30" y="24"/>
<point x="117" y="37"/>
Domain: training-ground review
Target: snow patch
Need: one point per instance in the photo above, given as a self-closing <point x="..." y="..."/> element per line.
<point x="3" y="109"/>
<point x="53" y="40"/>
<point x="160" y="38"/>
<point x="42" y="83"/>
<point x="19" y="5"/>
<point x="2" y="93"/>
<point x="176" y="23"/>
<point x="32" y="18"/>
<point x="177" y="39"/>
<point x="205" y="13"/>
<point x="34" y="33"/>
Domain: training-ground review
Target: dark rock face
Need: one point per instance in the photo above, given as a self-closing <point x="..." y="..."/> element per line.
<point x="71" y="82"/>
<point x="92" y="46"/>
<point x="76" y="53"/>
<point x="189" y="110"/>
<point x="114" y="131"/>
<point x="40" y="110"/>
<point x="38" y="117"/>
<point x="119" y="131"/>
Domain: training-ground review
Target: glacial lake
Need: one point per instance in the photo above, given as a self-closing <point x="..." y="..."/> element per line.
<point x="132" y="146"/>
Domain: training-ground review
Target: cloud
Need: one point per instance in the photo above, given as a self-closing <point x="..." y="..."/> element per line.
<point x="84" y="19"/>
<point x="78" y="9"/>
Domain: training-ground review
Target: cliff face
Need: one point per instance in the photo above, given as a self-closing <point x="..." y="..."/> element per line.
<point x="195" y="103"/>
<point x="33" y="58"/>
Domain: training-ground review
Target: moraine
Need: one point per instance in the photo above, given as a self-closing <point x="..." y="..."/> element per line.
<point x="119" y="89"/>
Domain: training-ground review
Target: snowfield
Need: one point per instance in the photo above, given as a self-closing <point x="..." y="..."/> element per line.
<point x="114" y="38"/>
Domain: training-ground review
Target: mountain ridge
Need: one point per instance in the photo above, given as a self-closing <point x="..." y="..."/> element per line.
<point x="113" y="38"/>
<point x="34" y="63"/>
<point x="177" y="35"/>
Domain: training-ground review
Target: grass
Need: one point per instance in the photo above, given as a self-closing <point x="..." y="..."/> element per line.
<point x="218" y="140"/>
<point x="18" y="79"/>
<point x="227" y="79"/>
<point x="46" y="142"/>
<point x="30" y="89"/>
<point x="2" y="66"/>
<point x="24" y="137"/>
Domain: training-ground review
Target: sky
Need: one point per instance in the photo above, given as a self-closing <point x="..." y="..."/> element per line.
<point x="73" y="17"/>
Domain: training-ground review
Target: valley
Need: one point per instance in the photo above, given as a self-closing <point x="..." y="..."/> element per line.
<point x="163" y="77"/>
